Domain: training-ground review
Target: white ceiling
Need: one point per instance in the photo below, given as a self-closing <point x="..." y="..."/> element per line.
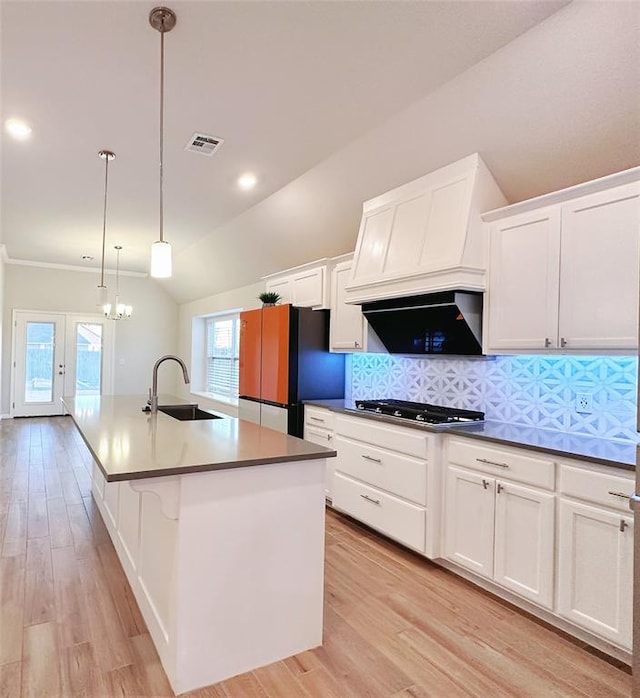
<point x="285" y="84"/>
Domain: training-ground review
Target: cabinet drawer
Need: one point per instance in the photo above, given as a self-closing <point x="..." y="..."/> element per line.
<point x="318" y="417"/>
<point x="400" y="520"/>
<point x="514" y="464"/>
<point x="596" y="487"/>
<point x="323" y="437"/>
<point x="409" y="441"/>
<point x="399" y="474"/>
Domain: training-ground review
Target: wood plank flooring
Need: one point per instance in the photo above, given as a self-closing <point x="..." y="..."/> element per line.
<point x="396" y="625"/>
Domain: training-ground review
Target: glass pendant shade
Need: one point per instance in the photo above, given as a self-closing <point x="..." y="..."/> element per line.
<point x="102" y="295"/>
<point x="161" y="259"/>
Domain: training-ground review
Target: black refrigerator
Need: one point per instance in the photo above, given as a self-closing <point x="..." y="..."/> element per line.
<point x="284" y="360"/>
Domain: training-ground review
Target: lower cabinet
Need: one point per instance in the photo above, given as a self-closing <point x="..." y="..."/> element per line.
<point x="555" y="532"/>
<point x="386" y="476"/>
<point x="502" y="531"/>
<point x="318" y="428"/>
<point x="595" y="553"/>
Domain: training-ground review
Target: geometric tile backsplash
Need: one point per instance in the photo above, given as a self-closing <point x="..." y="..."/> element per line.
<point x="533" y="390"/>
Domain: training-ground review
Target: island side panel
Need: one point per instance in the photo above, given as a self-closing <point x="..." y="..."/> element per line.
<point x="250" y="569"/>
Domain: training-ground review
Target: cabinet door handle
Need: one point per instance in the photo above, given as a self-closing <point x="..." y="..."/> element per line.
<point x="329" y="437"/>
<point x="492" y="462"/>
<point x="547" y="342"/>
<point x="500" y="488"/>
<point x="317" y="419"/>
<point x="623" y="525"/>
<point x="485" y="484"/>
<point x="563" y="342"/>
<point x="356" y="345"/>
<point x="370" y="499"/>
<point x="372" y="459"/>
<point x="622" y="495"/>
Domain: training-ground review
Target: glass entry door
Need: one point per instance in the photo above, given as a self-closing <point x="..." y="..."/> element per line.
<point x="38" y="368"/>
<point x="56" y="355"/>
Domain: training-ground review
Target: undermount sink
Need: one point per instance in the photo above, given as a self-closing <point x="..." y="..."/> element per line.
<point x="186" y="413"/>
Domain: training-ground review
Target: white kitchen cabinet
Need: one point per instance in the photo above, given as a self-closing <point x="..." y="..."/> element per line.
<point x="596" y="570"/>
<point x="595" y="550"/>
<point x="497" y="528"/>
<point x="522" y="311"/>
<point x="425" y="235"/>
<point x="599" y="252"/>
<point x="349" y="329"/>
<point x="387" y="477"/>
<point x="318" y="428"/>
<point x="306" y="286"/>
<point x="469" y="520"/>
<point x="524" y="541"/>
<point x="563" y="273"/>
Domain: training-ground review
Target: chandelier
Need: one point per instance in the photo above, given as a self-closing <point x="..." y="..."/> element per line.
<point x="117" y="310"/>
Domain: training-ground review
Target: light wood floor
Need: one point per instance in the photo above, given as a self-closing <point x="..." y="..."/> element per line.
<point x="395" y="624"/>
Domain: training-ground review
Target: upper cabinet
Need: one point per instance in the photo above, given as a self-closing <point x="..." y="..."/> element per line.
<point x="563" y="270"/>
<point x="306" y="286"/>
<point x="349" y="329"/>
<point x="426" y="235"/>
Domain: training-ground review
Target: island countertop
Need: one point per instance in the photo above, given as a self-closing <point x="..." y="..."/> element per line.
<point x="129" y="444"/>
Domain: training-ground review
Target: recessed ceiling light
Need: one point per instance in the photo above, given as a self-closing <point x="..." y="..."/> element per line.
<point x="247" y="181"/>
<point x="18" y="129"/>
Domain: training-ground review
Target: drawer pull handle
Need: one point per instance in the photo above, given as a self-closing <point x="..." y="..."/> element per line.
<point x="623" y="525"/>
<point x="372" y="459"/>
<point x="492" y="462"/>
<point x="622" y="495"/>
<point x="370" y="499"/>
<point x="317" y="419"/>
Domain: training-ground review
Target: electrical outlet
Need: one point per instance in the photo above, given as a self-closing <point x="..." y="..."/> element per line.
<point x="584" y="403"/>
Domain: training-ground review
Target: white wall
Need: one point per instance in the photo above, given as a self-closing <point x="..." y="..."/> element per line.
<point x="244" y="298"/>
<point x="139" y="341"/>
<point x="557" y="106"/>
<point x="3" y="332"/>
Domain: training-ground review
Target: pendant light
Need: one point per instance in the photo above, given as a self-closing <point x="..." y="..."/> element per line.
<point x="163" y="20"/>
<point x="117" y="310"/>
<point x="105" y="155"/>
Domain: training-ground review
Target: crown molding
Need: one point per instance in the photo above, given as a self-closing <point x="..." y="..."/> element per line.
<point x="66" y="267"/>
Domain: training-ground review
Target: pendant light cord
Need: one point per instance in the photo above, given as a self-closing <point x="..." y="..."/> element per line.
<point x="117" y="275"/>
<point x="104" y="218"/>
<point x="161" y="125"/>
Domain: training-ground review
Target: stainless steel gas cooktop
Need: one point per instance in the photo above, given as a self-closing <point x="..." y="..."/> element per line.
<point x="420" y="412"/>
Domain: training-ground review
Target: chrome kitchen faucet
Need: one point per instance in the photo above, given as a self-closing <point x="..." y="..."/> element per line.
<point x="153" y="391"/>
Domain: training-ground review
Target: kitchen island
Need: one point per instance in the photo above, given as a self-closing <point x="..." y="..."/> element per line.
<point x="219" y="526"/>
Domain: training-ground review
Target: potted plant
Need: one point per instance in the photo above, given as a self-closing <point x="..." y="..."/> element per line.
<point x="269" y="298"/>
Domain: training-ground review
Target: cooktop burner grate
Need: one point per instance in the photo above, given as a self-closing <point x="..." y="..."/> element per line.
<point x="421" y="412"/>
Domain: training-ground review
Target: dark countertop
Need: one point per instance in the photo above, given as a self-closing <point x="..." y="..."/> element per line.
<point x="128" y="443"/>
<point x="610" y="452"/>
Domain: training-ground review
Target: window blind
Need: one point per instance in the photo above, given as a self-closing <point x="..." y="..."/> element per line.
<point x="222" y="339"/>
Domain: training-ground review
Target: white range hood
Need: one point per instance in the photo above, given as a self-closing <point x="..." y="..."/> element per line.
<point x="425" y="236"/>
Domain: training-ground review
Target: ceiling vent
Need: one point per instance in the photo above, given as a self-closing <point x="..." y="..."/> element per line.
<point x="205" y="145"/>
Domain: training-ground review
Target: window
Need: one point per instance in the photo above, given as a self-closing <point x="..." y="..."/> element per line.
<point x="222" y="340"/>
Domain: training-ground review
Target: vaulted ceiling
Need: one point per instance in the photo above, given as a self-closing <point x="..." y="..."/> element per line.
<point x="285" y="84"/>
